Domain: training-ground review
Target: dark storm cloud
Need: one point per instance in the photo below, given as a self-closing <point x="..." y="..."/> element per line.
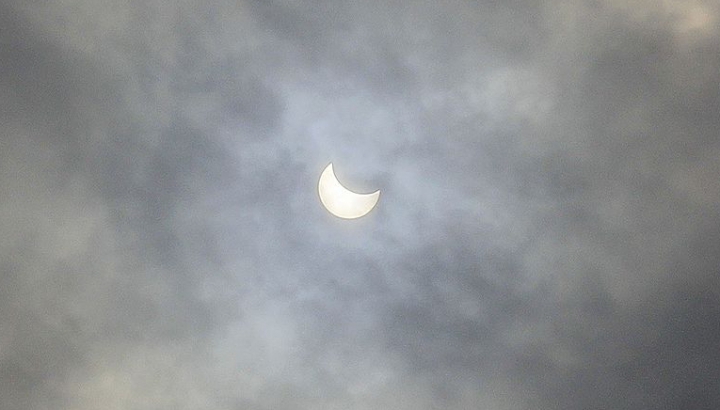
<point x="547" y="234"/>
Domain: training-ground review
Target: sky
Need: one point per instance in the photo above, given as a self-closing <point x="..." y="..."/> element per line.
<point x="548" y="234"/>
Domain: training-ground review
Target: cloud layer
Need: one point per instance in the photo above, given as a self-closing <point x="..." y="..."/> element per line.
<point x="548" y="234"/>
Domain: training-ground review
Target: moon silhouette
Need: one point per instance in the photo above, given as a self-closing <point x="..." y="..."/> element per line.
<point x="341" y="201"/>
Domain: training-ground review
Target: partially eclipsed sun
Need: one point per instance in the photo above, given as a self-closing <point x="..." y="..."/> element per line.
<point x="341" y="201"/>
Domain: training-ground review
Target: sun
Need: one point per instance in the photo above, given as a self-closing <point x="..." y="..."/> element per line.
<point x="341" y="201"/>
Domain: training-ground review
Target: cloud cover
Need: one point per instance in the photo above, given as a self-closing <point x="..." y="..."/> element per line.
<point x="548" y="234"/>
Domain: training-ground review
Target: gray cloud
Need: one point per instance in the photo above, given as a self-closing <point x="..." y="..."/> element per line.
<point x="547" y="235"/>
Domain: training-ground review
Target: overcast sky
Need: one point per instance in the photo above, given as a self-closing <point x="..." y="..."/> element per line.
<point x="548" y="234"/>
